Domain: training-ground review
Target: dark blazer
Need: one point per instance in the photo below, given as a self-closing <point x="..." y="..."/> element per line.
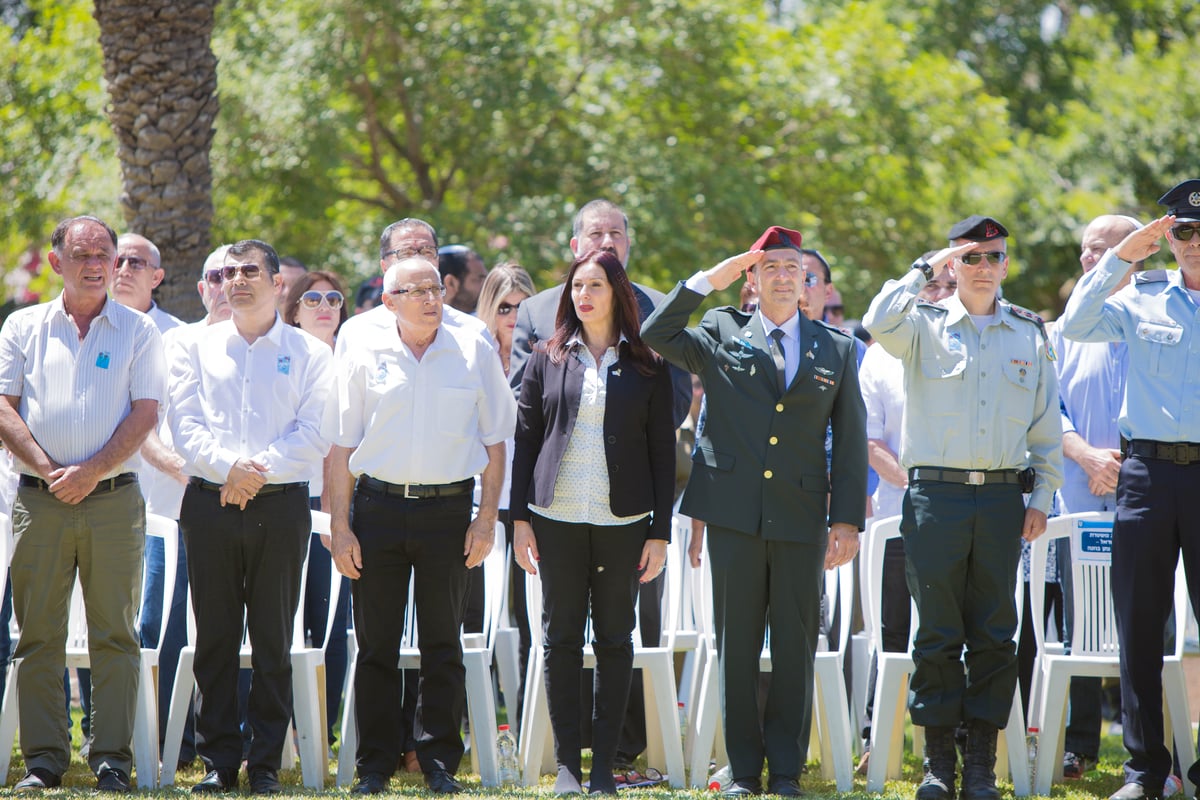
<point x="759" y="466"/>
<point x="535" y="323"/>
<point x="639" y="439"/>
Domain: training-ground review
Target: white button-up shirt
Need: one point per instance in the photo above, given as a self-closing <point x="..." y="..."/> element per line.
<point x="263" y="401"/>
<point x="881" y="379"/>
<point x="426" y="421"/>
<point x="74" y="394"/>
<point x="163" y="494"/>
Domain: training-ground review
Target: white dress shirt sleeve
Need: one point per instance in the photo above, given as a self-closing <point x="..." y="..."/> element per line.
<point x="303" y="444"/>
<point x="193" y="439"/>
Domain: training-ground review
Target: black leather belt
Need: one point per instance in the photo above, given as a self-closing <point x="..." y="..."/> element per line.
<point x="417" y="491"/>
<point x="106" y="485"/>
<point x="1178" y="452"/>
<point x="970" y="477"/>
<point x="270" y="488"/>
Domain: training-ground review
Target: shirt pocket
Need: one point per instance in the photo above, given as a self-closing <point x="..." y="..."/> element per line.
<point x="1157" y="339"/>
<point x="711" y="458"/>
<point x="944" y="366"/>
<point x="1017" y="395"/>
<point x="457" y="413"/>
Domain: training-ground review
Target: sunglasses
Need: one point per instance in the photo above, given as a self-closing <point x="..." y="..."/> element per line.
<point x="250" y="272"/>
<point x="811" y="279"/>
<point x="313" y="299"/>
<point x="133" y="262"/>
<point x="420" y="292"/>
<point x="996" y="257"/>
<point x="505" y="309"/>
<point x="1184" y="233"/>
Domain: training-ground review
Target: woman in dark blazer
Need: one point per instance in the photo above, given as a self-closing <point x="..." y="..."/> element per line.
<point x="592" y="488"/>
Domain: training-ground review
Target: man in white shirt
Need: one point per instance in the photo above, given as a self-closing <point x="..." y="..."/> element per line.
<point x="246" y="404"/>
<point x="400" y="513"/>
<point x="83" y="379"/>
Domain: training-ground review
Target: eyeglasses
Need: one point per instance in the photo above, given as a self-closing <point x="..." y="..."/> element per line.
<point x="420" y="292"/>
<point x="133" y="262"/>
<point x="313" y="299"/>
<point x="213" y="277"/>
<point x="811" y="279"/>
<point x="996" y="257"/>
<point x="230" y="272"/>
<point x="1184" y="233"/>
<point x="505" y="309"/>
<point x="427" y="250"/>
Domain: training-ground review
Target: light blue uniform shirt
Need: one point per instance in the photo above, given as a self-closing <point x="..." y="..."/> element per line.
<point x="1158" y="321"/>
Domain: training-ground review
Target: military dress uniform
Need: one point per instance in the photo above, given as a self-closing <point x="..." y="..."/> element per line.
<point x="1157" y="317"/>
<point x="982" y="405"/>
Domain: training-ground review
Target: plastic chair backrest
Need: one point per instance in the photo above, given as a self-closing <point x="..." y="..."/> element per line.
<point x="878" y="534"/>
<point x="168" y="530"/>
<point x="1094" y="631"/>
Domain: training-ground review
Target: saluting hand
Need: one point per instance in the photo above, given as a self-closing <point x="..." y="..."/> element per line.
<point x="1035" y="524"/>
<point x="729" y="270"/>
<point x="1143" y="242"/>
<point x="480" y="535"/>
<point x="654" y="558"/>
<point x="843" y="545"/>
<point x="347" y="556"/>
<point x="525" y="546"/>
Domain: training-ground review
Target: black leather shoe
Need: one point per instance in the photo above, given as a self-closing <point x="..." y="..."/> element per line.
<point x="112" y="780"/>
<point x="265" y="781"/>
<point x="784" y="787"/>
<point x="442" y="782"/>
<point x="217" y="781"/>
<point x="371" y="783"/>
<point x="1133" y="791"/>
<point x="743" y="787"/>
<point x="36" y="780"/>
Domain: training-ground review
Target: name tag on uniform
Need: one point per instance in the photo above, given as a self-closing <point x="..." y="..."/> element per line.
<point x="1160" y="332"/>
<point x="102" y="360"/>
<point x="283" y="365"/>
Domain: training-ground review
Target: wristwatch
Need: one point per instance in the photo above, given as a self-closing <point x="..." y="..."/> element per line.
<point x="925" y="268"/>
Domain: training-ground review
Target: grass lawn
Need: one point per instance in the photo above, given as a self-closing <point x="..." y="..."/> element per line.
<point x="1099" y="783"/>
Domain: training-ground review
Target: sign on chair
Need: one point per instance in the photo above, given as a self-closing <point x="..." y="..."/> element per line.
<point x="1091" y="542"/>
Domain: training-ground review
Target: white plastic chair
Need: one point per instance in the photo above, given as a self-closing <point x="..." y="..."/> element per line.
<point x="663" y="737"/>
<point x="314" y="750"/>
<point x="477" y="662"/>
<point x="891" y="685"/>
<point x="145" y="719"/>
<point x="1095" y="651"/>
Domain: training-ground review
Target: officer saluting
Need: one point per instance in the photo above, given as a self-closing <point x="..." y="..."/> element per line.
<point x="983" y="398"/>
<point x="1160" y="430"/>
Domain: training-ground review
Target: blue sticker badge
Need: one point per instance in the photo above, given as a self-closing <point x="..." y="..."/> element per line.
<point x="102" y="361"/>
<point x="283" y="365"/>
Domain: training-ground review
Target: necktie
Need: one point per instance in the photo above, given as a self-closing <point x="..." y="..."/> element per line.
<point x="780" y="362"/>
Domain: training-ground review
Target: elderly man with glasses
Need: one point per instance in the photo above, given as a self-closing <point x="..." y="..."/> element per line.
<point x="247" y="400"/>
<point x="981" y="415"/>
<point x="1155" y="316"/>
<point x="404" y="513"/>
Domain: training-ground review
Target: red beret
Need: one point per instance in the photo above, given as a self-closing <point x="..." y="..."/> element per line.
<point x="776" y="237"/>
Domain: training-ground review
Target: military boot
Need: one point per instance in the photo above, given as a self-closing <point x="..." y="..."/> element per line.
<point x="979" y="765"/>
<point x="940" y="761"/>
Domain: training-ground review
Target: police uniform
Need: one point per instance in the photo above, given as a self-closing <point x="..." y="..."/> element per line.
<point x="1160" y="429"/>
<point x="982" y="405"/>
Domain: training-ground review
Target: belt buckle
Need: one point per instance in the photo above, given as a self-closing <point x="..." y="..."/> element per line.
<point x="976" y="478"/>
<point x="1182" y="456"/>
<point x="408" y="496"/>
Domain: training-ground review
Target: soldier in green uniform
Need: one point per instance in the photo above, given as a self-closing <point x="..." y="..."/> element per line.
<point x="983" y="398"/>
<point x="776" y="517"/>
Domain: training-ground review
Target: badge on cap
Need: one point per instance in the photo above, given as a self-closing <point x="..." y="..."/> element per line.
<point x="1194" y="198"/>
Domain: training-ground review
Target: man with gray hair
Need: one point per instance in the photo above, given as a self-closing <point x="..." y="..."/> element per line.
<point x="405" y="514"/>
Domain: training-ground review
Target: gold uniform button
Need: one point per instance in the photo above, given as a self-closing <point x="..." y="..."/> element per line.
<point x="768" y="474"/>
<point x="774" y="440"/>
<point x="779" y="406"/>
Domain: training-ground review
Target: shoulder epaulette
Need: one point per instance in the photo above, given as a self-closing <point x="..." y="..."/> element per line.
<point x="834" y="328"/>
<point x="1036" y="319"/>
<point x="1150" y="276"/>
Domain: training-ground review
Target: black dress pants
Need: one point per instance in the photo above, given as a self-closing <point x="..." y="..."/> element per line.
<point x="584" y="565"/>
<point x="244" y="563"/>
<point x="421" y="540"/>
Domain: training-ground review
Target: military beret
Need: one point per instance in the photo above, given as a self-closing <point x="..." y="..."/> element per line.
<point x="978" y="229"/>
<point x="1183" y="201"/>
<point x="776" y="237"/>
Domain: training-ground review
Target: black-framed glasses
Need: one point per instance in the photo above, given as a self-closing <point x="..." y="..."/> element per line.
<point x="250" y="272"/>
<point x="427" y="250"/>
<point x="507" y="308"/>
<point x="420" y="292"/>
<point x="133" y="262"/>
<point x="995" y="256"/>
<point x="313" y="299"/>
<point x="1184" y="233"/>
